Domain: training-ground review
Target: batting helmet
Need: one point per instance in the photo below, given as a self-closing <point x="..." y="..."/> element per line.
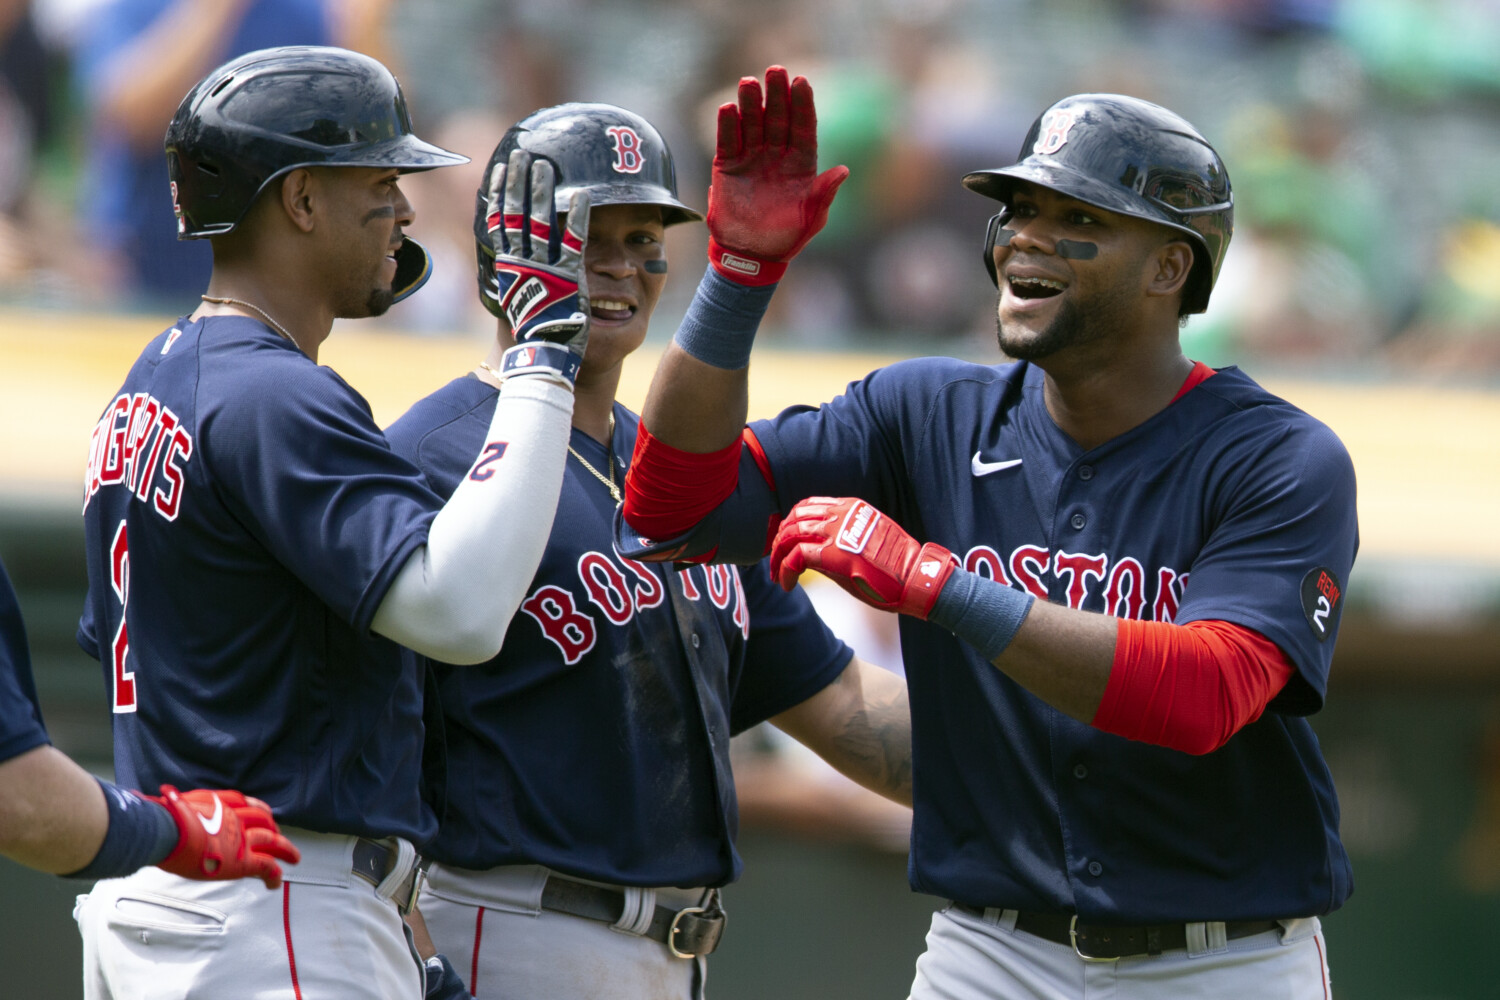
<point x="1128" y="156"/>
<point x="616" y="156"/>
<point x="268" y="112"/>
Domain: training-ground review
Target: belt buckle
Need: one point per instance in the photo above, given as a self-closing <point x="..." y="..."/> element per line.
<point x="713" y="909"/>
<point x="672" y="930"/>
<point x="418" y="876"/>
<point x="1073" y="937"/>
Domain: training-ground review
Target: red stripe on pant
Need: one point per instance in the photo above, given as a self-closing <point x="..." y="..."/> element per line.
<point x="474" y="965"/>
<point x="286" y="923"/>
<point x="1322" y="966"/>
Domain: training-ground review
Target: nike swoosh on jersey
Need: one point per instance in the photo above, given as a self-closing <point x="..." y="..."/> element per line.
<point x="983" y="468"/>
<point x="212" y="823"/>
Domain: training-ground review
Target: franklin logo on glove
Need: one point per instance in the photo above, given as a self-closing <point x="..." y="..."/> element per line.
<point x="522" y="300"/>
<point x="740" y="264"/>
<point x="858" y="525"/>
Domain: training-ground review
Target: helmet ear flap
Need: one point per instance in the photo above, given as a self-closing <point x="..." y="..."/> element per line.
<point x="413" y="268"/>
<point x="991" y="233"/>
<point x="489" y="288"/>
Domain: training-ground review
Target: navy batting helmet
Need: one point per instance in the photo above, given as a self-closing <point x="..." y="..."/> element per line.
<point x="268" y="112"/>
<point x="1130" y="156"/>
<point x="616" y="156"/>
<point x="272" y="111"/>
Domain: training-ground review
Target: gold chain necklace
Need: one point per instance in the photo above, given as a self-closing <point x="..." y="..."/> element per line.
<point x="614" y="490"/>
<point x="226" y="301"/>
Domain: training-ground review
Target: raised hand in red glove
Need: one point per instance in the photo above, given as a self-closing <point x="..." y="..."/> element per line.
<point x="863" y="551"/>
<point x="766" y="198"/>
<point x="224" y="835"/>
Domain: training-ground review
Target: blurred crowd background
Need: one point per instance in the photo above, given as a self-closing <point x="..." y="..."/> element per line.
<point x="1361" y="138"/>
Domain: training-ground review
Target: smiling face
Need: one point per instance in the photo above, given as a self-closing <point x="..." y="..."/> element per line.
<point x="622" y="292"/>
<point x="1051" y="302"/>
<point x="366" y="212"/>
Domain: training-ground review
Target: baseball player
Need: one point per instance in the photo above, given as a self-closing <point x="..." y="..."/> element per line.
<point x="56" y="817"/>
<point x="248" y="528"/>
<point x="1119" y="572"/>
<point x="591" y="812"/>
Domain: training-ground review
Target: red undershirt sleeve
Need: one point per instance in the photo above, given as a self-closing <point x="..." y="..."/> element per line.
<point x="1189" y="687"/>
<point x="668" y="491"/>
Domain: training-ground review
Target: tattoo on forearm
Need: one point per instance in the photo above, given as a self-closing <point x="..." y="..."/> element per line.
<point x="874" y="747"/>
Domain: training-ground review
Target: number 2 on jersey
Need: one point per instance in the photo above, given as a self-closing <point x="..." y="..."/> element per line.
<point x="123" y="695"/>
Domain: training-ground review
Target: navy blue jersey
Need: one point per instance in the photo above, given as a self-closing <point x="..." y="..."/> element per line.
<point x="597" y="742"/>
<point x="1230" y="504"/>
<point x="21" y="726"/>
<point x="244" y="518"/>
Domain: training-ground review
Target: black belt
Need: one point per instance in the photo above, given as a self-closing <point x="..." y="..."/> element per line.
<point x="693" y="930"/>
<point x="373" y="861"/>
<point x="1105" y="942"/>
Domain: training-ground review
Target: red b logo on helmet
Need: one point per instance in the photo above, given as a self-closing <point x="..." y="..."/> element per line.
<point x="627" y="145"/>
<point x="1054" y="130"/>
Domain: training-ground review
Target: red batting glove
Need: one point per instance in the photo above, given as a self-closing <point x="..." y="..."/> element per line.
<point x="224" y="835"/>
<point x="766" y="198"/>
<point x="863" y="551"/>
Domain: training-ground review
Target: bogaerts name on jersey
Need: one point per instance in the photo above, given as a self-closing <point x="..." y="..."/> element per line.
<point x="138" y="443"/>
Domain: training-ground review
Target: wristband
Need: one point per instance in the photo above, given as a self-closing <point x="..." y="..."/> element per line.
<point x="547" y="359"/>
<point x="983" y="613"/>
<point x="140" y="833"/>
<point x="720" y="324"/>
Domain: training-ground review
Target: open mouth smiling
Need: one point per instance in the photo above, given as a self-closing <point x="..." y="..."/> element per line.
<point x="1033" y="287"/>
<point x="611" y="310"/>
